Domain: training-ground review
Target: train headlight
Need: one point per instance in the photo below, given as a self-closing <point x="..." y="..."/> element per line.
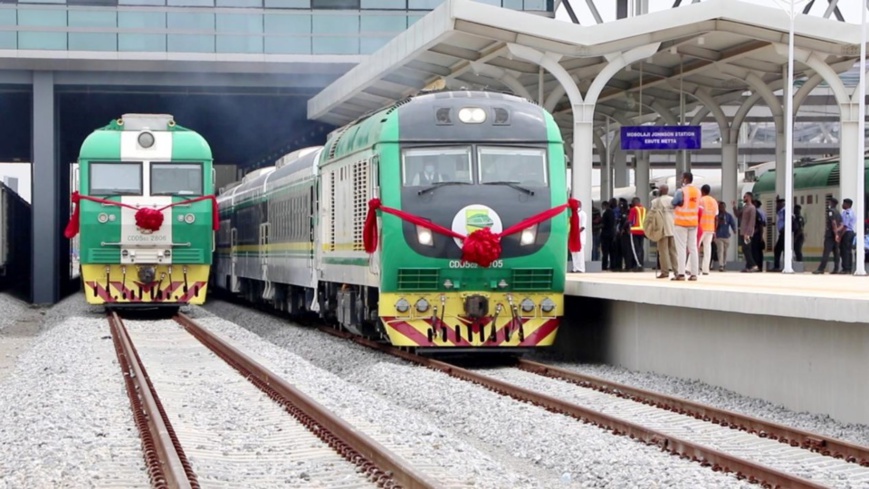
<point x="472" y="115"/>
<point x="424" y="236"/>
<point x="103" y="217"/>
<point x="529" y="235"/>
<point x="402" y="305"/>
<point x="422" y="305"/>
<point x="527" y="305"/>
<point x="189" y="218"/>
<point x="146" y="139"/>
<point x="547" y="305"/>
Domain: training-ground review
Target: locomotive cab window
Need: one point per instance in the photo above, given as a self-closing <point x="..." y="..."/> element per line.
<point x="115" y="178"/>
<point x="426" y="166"/>
<point x="176" y="179"/>
<point x="524" y="166"/>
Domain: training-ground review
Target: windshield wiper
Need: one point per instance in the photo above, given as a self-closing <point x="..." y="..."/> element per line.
<point x="513" y="185"/>
<point x="439" y="184"/>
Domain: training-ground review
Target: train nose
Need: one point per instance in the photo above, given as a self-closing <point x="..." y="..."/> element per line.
<point x="147" y="274"/>
<point x="476" y="306"/>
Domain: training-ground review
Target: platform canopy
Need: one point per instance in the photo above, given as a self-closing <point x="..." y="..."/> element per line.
<point x="715" y="50"/>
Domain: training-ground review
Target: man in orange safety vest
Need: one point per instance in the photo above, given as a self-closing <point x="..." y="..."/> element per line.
<point x="686" y="203"/>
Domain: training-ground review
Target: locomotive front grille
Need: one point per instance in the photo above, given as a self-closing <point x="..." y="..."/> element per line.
<point x="418" y="279"/>
<point x="532" y="279"/>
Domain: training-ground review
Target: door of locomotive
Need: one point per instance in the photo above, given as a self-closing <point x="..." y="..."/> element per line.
<point x="74" y="250"/>
<point x="268" y="290"/>
<point x="374" y="192"/>
<point x="234" y="285"/>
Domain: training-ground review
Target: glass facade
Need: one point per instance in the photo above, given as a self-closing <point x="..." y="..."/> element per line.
<point x="217" y="26"/>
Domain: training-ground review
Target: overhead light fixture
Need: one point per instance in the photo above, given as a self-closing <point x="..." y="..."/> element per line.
<point x="674" y="50"/>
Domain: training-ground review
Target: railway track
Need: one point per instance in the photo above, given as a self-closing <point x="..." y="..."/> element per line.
<point x="175" y="354"/>
<point x="686" y="429"/>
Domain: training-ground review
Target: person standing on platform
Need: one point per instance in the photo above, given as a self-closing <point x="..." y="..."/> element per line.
<point x="707" y="225"/>
<point x="617" y="257"/>
<point x="780" y="228"/>
<point x="798" y="227"/>
<point x="724" y="223"/>
<point x="747" y="216"/>
<point x="578" y="257"/>
<point x="758" y="243"/>
<point x="596" y="221"/>
<point x="849" y="220"/>
<point x="635" y="219"/>
<point x="624" y="236"/>
<point x="832" y="231"/>
<point x="687" y="204"/>
<point x="667" y="244"/>
<point x="607" y="235"/>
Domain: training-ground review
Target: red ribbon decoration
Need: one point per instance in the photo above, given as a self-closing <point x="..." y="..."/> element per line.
<point x="482" y="246"/>
<point x="146" y="217"/>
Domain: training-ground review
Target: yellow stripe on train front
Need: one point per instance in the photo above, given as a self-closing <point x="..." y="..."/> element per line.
<point x="444" y="323"/>
<point x="122" y="285"/>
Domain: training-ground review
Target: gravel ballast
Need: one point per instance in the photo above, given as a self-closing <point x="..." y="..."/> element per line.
<point x="65" y="419"/>
<point x="549" y="450"/>
<point x="722" y="398"/>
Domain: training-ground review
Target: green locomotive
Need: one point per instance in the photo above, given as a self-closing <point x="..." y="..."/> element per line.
<point x="144" y="205"/>
<point x="814" y="183"/>
<point x="469" y="249"/>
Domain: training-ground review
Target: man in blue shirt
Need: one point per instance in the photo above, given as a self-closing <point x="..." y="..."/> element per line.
<point x="849" y="220"/>
<point x="723" y="224"/>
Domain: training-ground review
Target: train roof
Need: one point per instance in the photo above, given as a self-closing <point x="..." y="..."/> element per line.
<point x="105" y="142"/>
<point x="438" y="109"/>
<point x="813" y="174"/>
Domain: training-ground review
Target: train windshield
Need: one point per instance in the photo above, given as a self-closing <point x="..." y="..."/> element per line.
<point x="524" y="166"/>
<point x="176" y="179"/>
<point x="115" y="178"/>
<point x="426" y="166"/>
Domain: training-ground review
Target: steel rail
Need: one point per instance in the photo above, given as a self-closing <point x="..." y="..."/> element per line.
<point x="719" y="461"/>
<point x="381" y="465"/>
<point x="167" y="466"/>
<point x="765" y="429"/>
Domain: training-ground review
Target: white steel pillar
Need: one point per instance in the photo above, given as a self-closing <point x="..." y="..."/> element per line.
<point x="780" y="160"/>
<point x="583" y="111"/>
<point x="641" y="177"/>
<point x="849" y="159"/>
<point x="620" y="168"/>
<point x="859" y="201"/>
<point x="728" y="189"/>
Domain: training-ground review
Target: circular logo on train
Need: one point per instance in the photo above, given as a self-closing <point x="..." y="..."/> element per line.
<point x="475" y="217"/>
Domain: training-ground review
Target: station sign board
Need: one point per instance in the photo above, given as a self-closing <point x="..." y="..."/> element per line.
<point x="660" y="137"/>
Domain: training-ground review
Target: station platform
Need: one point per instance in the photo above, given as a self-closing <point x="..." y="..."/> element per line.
<point x="799" y="340"/>
<point x="842" y="298"/>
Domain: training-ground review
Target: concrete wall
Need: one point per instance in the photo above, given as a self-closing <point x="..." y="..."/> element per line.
<point x="803" y="364"/>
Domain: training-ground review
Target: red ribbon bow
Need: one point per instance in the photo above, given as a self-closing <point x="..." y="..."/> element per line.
<point x="482" y="246"/>
<point x="147" y="218"/>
